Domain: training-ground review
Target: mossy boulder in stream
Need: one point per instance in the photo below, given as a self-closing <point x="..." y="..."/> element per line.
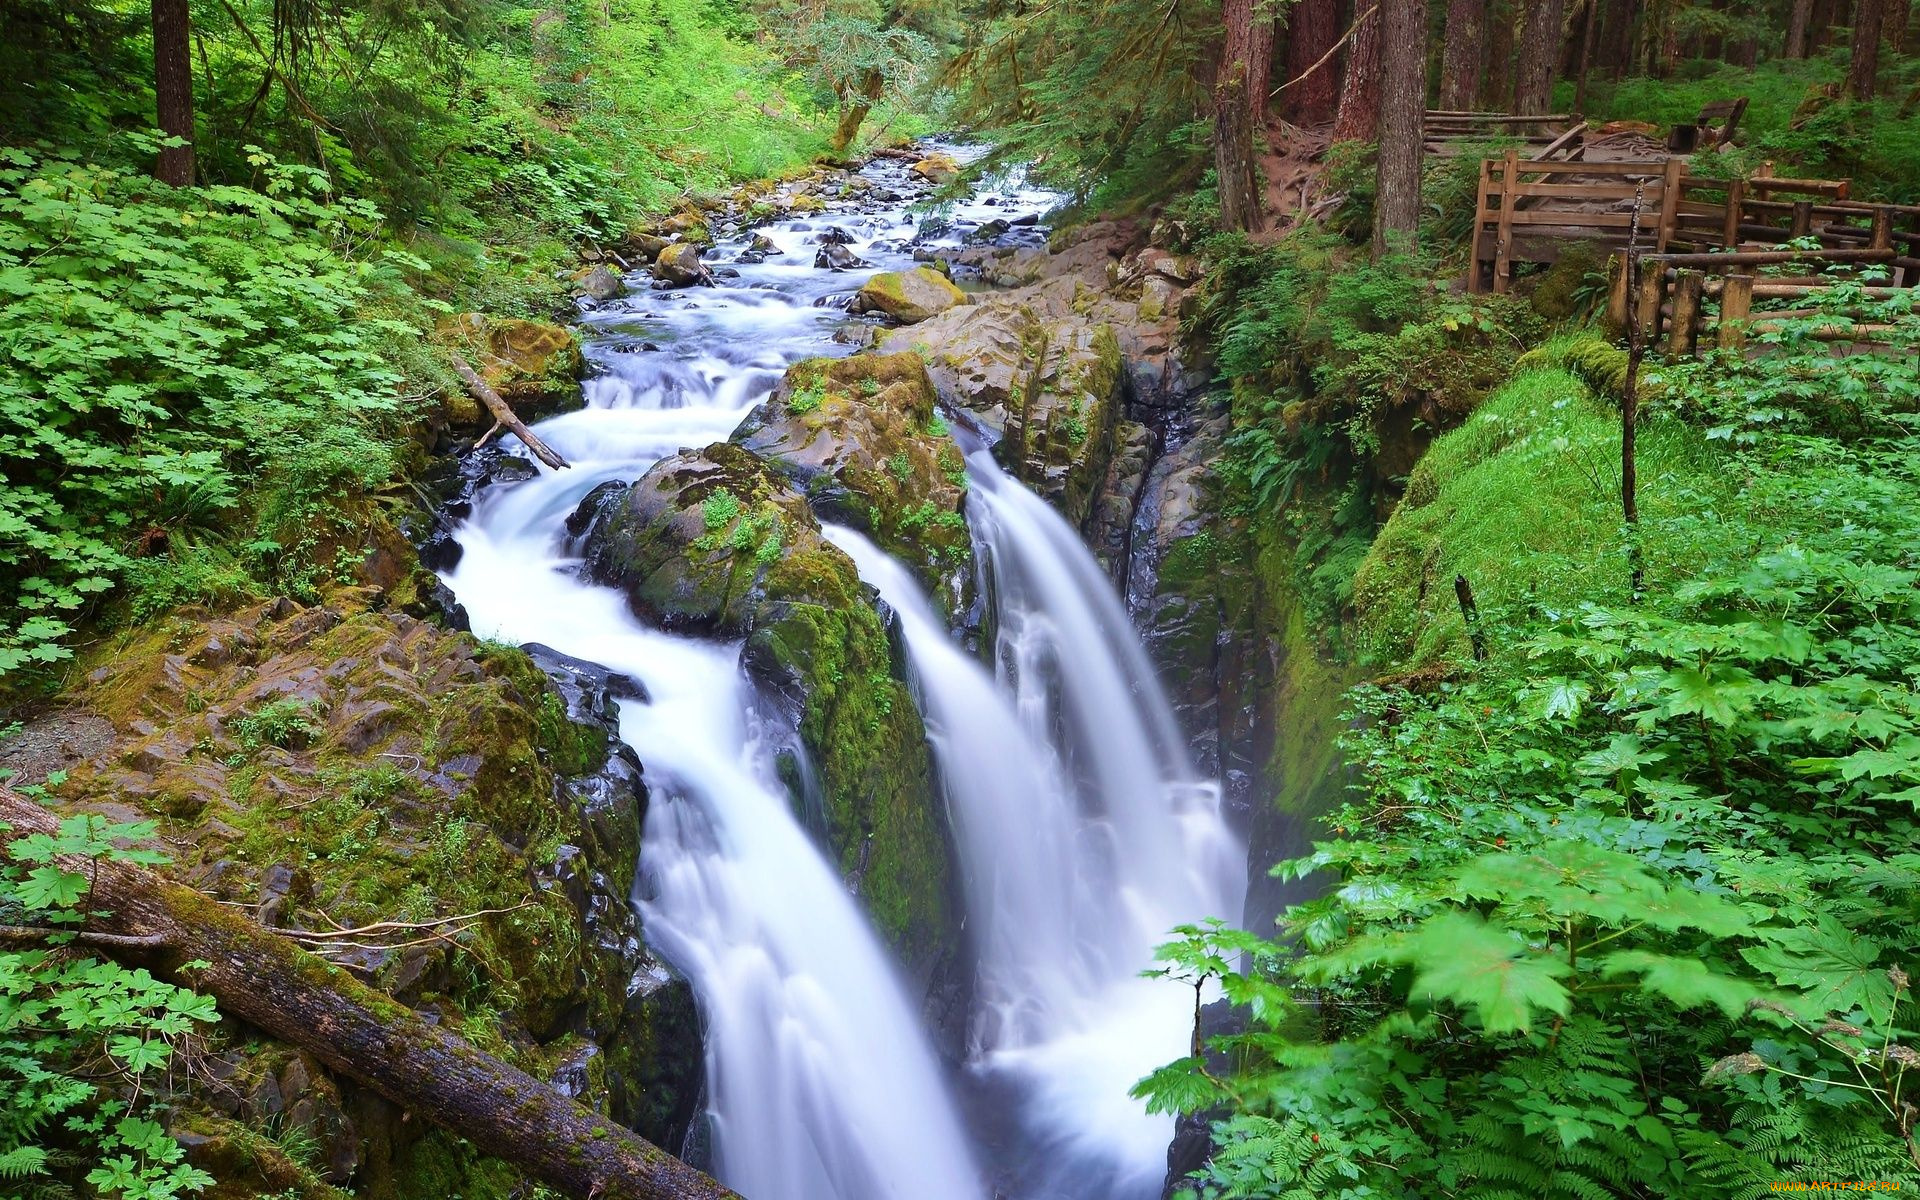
<point x="1045" y="381"/>
<point x="908" y="296"/>
<point x="862" y="438"/>
<point x="717" y="542"/>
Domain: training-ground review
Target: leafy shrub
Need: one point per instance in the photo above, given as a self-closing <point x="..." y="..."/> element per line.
<point x="68" y="1019"/>
<point x="168" y="360"/>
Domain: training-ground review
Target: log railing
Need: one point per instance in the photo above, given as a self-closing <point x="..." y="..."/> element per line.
<point x="1671" y="299"/>
<point x="1549" y="202"/>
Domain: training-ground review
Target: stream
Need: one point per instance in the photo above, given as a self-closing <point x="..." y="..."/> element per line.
<point x="1082" y="830"/>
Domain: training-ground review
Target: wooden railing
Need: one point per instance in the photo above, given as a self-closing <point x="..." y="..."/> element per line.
<point x="1659" y="208"/>
<point x="1511" y="192"/>
<point x="1674" y="289"/>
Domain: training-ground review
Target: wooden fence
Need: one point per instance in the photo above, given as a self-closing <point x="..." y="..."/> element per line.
<point x="1529" y="211"/>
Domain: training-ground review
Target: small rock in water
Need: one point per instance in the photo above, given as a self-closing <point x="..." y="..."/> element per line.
<point x="835" y="236"/>
<point x="679" y="265"/>
<point x="597" y="283"/>
<point x="762" y="244"/>
<point x="836" y="257"/>
<point x="987" y="232"/>
<point x="1029" y="219"/>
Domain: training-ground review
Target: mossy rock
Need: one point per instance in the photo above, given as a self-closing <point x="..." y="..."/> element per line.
<point x="535" y="366"/>
<point x="339" y="762"/>
<point x="720" y="543"/>
<point x="862" y="438"/>
<point x="908" y="297"/>
<point x="691" y="543"/>
<point x="1046" y="382"/>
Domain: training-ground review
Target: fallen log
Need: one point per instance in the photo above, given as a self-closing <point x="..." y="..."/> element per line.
<point x="365" y="1035"/>
<point x="502" y="415"/>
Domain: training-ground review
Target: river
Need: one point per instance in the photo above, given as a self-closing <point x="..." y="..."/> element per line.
<point x="1082" y="830"/>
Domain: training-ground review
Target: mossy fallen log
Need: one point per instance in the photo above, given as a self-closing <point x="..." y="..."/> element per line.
<point x="281" y="989"/>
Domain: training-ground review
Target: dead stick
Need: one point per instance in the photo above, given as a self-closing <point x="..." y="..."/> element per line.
<point x="504" y="415"/>
<point x="1470" y="612"/>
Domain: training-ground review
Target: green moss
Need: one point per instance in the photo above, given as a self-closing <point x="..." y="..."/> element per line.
<point x="1523" y="501"/>
<point x="860" y="724"/>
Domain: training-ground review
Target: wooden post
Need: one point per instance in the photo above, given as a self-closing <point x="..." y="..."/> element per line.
<point x="1470" y="613"/>
<point x="1617" y="296"/>
<point x="1882" y="236"/>
<point x="1503" y="243"/>
<point x="1736" y="301"/>
<point x="1481" y="215"/>
<point x="1669" y="204"/>
<point x="1802" y="219"/>
<point x="1652" y="284"/>
<point x="1686" y="312"/>
<point x="1730" y="224"/>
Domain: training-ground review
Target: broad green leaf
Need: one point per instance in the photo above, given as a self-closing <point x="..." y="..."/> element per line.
<point x="1462" y="959"/>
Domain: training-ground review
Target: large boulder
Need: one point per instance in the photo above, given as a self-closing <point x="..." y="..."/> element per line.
<point x="937" y="169"/>
<point x="862" y="438"/>
<point x="597" y="283"/>
<point x="679" y="265"/>
<point x="716" y="542"/>
<point x="909" y="296"/>
<point x="1042" y="379"/>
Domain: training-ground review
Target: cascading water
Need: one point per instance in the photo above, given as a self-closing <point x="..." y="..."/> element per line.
<point x="1084" y="833"/>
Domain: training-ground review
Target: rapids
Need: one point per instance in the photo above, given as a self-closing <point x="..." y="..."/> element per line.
<point x="1083" y="832"/>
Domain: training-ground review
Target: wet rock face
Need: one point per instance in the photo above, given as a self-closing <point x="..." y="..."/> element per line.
<point x="862" y="438"/>
<point x="336" y="763"/>
<point x="1043" y="380"/>
<point x="1193" y="590"/>
<point x="720" y="543"/>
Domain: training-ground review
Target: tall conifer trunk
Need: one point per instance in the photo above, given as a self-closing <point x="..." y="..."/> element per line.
<point x="1403" y="102"/>
<point x="173" y="90"/>
<point x="1616" y="38"/>
<point x="1358" y="118"/>
<point x="1539" y="55"/>
<point x="1798" y="18"/>
<point x="1899" y="12"/>
<point x="1464" y="54"/>
<point x="1312" y="26"/>
<point x="1863" y="68"/>
<point x="1239" y="95"/>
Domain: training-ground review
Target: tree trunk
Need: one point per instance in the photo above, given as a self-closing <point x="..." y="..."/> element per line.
<point x="1496" y="80"/>
<point x="1863" y="66"/>
<point x="856" y="112"/>
<point x="1312" y="26"/>
<point x="1616" y="41"/>
<point x="1403" y="102"/>
<point x="1583" y="62"/>
<point x="1898" y="13"/>
<point x="1358" y="118"/>
<point x="173" y="90"/>
<point x="1464" y="54"/>
<point x="1235" y="103"/>
<point x="1797" y="21"/>
<point x="1539" y="54"/>
<point x="365" y="1035"/>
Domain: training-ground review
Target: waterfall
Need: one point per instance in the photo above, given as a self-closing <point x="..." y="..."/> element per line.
<point x="822" y="1083"/>
<point x="1083" y="831"/>
<point x="1085" y="835"/>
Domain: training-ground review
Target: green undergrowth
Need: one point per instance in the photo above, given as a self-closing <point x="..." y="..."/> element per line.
<point x="1500" y="501"/>
<point x="1793" y="119"/>
<point x="1628" y="905"/>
